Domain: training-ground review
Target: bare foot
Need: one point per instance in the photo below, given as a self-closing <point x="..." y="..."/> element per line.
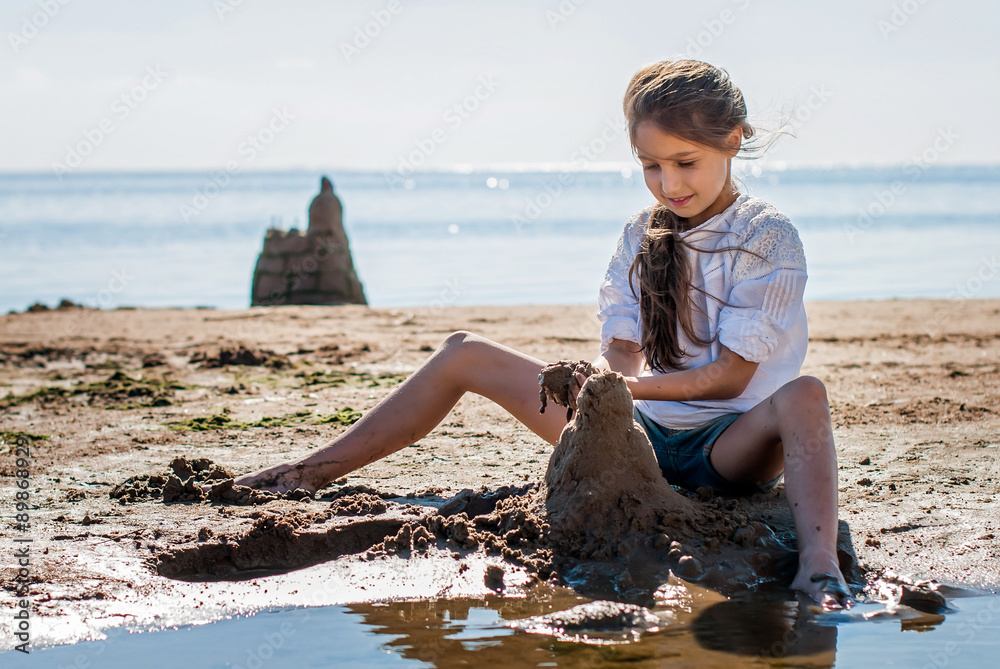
<point x="823" y="582"/>
<point x="280" y="478"/>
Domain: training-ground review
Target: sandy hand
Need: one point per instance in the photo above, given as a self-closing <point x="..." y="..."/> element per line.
<point x="828" y="589"/>
<point x="280" y="478"/>
<point x="561" y="382"/>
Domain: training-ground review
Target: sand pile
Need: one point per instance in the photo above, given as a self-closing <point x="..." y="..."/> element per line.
<point x="186" y="481"/>
<point x="604" y="490"/>
<point x="607" y="504"/>
<point x="359" y="520"/>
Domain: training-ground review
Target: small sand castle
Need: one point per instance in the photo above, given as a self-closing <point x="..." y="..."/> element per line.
<point x="314" y="268"/>
<point x="604" y="491"/>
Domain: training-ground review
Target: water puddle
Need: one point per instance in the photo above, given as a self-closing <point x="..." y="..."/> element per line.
<point x="688" y="627"/>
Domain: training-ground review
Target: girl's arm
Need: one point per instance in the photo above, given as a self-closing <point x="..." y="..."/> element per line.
<point x="723" y="379"/>
<point x="624" y="357"/>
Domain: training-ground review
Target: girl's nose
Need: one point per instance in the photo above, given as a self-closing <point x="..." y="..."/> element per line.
<point x="668" y="182"/>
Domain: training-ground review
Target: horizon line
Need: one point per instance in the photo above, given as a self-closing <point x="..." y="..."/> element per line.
<point x="522" y="167"/>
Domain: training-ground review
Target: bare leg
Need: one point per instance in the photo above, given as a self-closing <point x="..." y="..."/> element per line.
<point x="464" y="362"/>
<point x="792" y="430"/>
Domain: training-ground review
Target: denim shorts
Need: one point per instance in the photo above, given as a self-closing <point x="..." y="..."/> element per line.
<point x="683" y="455"/>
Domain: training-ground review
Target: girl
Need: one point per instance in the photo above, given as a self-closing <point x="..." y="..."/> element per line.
<point x="704" y="290"/>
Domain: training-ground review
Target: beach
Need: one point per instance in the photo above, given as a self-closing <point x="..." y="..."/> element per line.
<point x="102" y="396"/>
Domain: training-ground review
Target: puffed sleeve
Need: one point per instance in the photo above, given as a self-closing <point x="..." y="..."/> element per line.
<point x="617" y="306"/>
<point x="766" y="295"/>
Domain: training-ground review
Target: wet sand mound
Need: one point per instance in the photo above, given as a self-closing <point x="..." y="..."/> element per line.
<point x="604" y="490"/>
<point x="622" y="525"/>
<point x="279" y="542"/>
<point x="186" y="480"/>
<point x="361" y="521"/>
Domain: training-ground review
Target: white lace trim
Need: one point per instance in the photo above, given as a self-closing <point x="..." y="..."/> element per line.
<point x="770" y="235"/>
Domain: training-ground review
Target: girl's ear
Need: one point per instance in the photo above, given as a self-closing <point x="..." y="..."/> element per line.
<point x="735" y="140"/>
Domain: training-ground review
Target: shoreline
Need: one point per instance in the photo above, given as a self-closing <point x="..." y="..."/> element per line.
<point x="913" y="387"/>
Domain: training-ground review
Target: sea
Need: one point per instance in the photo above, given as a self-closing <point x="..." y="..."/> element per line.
<point x="533" y="235"/>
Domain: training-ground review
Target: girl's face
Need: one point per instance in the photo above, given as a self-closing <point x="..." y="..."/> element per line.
<point x="692" y="180"/>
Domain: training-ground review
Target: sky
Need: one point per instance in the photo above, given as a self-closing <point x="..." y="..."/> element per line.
<point x="319" y="84"/>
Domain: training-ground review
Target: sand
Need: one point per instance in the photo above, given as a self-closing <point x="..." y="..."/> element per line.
<point x="104" y="399"/>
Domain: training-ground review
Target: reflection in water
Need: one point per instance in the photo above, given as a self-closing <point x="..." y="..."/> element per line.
<point x="465" y="632"/>
<point x="766" y="627"/>
<point x="706" y="632"/>
<point x="700" y="629"/>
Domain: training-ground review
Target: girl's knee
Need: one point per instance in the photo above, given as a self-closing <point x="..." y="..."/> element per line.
<point x="456" y="339"/>
<point x="461" y="339"/>
<point x="462" y="344"/>
<point x="803" y="390"/>
<point x="454" y="343"/>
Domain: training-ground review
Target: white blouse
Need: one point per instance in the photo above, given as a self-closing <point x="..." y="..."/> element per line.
<point x="765" y="322"/>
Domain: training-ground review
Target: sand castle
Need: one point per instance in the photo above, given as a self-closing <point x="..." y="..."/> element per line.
<point x="311" y="268"/>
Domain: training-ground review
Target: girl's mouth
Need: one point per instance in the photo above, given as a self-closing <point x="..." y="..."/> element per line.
<point x="681" y="202"/>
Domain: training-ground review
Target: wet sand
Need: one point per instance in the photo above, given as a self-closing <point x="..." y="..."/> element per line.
<point x="103" y="397"/>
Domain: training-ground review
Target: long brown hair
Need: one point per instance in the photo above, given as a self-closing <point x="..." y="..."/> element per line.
<point x="698" y="103"/>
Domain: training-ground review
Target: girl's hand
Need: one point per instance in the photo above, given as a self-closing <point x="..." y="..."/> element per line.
<point x="562" y="382"/>
<point x="576" y="385"/>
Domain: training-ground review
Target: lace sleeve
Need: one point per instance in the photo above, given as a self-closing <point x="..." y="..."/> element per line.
<point x="766" y="294"/>
<point x="617" y="306"/>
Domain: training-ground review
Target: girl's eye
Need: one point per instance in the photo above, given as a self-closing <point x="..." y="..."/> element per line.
<point x="646" y="168"/>
<point x="687" y="164"/>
